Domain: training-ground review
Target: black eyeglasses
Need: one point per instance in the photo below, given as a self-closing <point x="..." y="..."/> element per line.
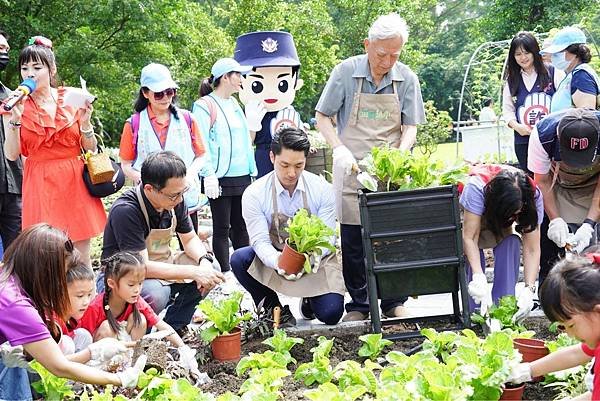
<point x="173" y="197"/>
<point x="167" y="92"/>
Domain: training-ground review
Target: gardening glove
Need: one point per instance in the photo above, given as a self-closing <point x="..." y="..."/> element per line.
<point x="588" y="379"/>
<point x="582" y="237"/>
<point x="129" y="377"/>
<point x="525" y="297"/>
<point x="344" y="158"/>
<point x="520" y="373"/>
<point x="187" y="358"/>
<point x="211" y="187"/>
<point x="478" y="288"/>
<point x="290" y="277"/>
<point x="105" y="349"/>
<point x="255" y="111"/>
<point x="13" y="357"/>
<point x="558" y="232"/>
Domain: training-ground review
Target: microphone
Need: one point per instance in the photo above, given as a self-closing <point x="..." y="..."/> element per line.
<point x="25" y="88"/>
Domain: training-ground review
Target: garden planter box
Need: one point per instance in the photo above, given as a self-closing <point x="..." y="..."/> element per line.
<point x="319" y="162"/>
<point x="413" y="246"/>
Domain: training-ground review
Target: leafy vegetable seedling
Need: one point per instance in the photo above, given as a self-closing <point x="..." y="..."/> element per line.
<point x="223" y="316"/>
<point x="309" y="235"/>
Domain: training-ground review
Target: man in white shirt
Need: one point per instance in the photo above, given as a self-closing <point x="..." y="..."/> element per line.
<point x="267" y="204"/>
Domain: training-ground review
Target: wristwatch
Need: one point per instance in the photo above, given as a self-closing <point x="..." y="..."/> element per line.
<point x="207" y="256"/>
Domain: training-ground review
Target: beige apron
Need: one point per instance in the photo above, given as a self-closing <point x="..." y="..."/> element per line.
<point x="326" y="280"/>
<point x="159" y="240"/>
<point x="375" y="120"/>
<point x="574" y="190"/>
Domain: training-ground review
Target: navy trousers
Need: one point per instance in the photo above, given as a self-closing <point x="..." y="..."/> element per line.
<point x="328" y="308"/>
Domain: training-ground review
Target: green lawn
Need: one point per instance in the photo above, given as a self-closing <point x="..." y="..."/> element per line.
<point x="446" y="152"/>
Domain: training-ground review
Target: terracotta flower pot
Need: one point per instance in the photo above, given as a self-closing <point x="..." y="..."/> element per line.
<point x="513" y="393"/>
<point x="290" y="260"/>
<point x="531" y="350"/>
<point x="227" y="347"/>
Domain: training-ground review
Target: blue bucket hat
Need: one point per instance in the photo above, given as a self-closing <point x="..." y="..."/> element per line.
<point x="157" y="78"/>
<point x="225" y="65"/>
<point x="266" y="49"/>
<point x="564" y="38"/>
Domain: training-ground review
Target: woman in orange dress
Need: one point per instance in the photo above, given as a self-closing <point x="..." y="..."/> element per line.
<point x="49" y="134"/>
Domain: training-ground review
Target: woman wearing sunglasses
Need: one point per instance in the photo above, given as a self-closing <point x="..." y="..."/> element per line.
<point x="51" y="135"/>
<point x="229" y="163"/>
<point x="158" y="125"/>
<point x="29" y="304"/>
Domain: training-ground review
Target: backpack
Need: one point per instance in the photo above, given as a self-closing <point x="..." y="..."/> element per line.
<point x="135" y="125"/>
<point x="212" y="110"/>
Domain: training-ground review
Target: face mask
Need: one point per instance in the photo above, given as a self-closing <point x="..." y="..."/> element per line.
<point x="3" y="61"/>
<point x="558" y="61"/>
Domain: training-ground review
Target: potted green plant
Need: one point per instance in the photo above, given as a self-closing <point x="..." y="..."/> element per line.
<point x="221" y="328"/>
<point x="308" y="236"/>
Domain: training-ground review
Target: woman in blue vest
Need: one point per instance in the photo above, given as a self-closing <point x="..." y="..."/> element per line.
<point x="159" y="125"/>
<point x="528" y="91"/>
<point x="581" y="85"/>
<point x="229" y="162"/>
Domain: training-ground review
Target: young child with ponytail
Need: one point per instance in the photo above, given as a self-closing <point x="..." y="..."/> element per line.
<point x="120" y="312"/>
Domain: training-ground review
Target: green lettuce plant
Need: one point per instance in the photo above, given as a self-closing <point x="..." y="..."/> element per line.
<point x="223" y="315"/>
<point x="330" y="392"/>
<point x="49" y="385"/>
<point x="309" y="235"/>
<point x="372" y="345"/>
<point x="504" y="312"/>
<point x="319" y="370"/>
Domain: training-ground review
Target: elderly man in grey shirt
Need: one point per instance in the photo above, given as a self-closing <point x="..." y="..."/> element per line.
<point x="377" y="100"/>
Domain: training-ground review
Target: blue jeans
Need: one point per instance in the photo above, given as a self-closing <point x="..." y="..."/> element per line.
<point x="328" y="308"/>
<point x="14" y="384"/>
<point x="181" y="298"/>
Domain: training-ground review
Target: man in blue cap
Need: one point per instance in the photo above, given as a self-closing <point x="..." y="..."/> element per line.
<point x="377" y="101"/>
<point x="268" y="91"/>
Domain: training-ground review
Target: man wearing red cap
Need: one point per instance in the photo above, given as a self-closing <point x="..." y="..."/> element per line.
<point x="563" y="156"/>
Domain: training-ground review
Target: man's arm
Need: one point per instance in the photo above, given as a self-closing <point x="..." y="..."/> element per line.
<point x="192" y="245"/>
<point x="327" y="129"/>
<point x="531" y="256"/>
<point x="409" y="137"/>
<point x="544" y="181"/>
<point x="594" y="212"/>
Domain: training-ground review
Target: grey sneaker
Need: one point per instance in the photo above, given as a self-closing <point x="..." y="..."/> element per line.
<point x="355" y="316"/>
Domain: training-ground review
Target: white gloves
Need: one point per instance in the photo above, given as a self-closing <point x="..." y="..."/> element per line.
<point x="343" y="157"/>
<point x="290" y="277"/>
<point x="558" y="232"/>
<point x="520" y="373"/>
<point x="129" y="377"/>
<point x="478" y="288"/>
<point x="187" y="358"/>
<point x="211" y="187"/>
<point x="524" y="302"/>
<point x="103" y="350"/>
<point x="255" y="111"/>
<point x="13" y="357"/>
<point x="582" y="237"/>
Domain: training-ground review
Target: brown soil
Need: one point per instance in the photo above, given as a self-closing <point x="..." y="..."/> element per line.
<point x="345" y="347"/>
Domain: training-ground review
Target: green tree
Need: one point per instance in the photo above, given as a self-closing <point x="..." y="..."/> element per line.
<point x="436" y="130"/>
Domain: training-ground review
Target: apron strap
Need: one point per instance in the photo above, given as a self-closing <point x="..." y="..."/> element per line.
<point x="138" y="191"/>
<point x="304" y="197"/>
<point x="355" y="103"/>
<point x="275" y="208"/>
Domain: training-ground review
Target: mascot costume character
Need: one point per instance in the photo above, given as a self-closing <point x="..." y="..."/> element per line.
<point x="268" y="91"/>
